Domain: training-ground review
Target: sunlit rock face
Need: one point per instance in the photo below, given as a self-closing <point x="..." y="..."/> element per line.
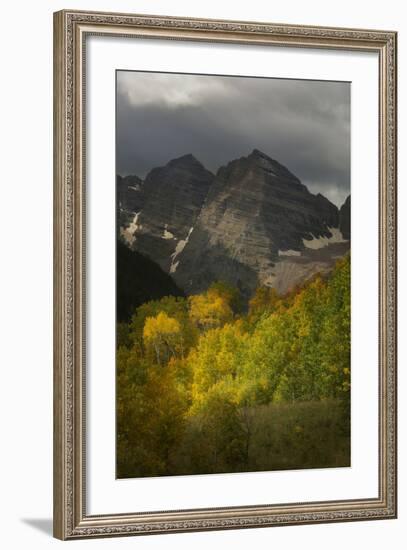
<point x="257" y="215"/>
<point x="252" y="224"/>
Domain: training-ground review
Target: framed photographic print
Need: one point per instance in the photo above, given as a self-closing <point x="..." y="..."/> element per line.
<point x="225" y="274"/>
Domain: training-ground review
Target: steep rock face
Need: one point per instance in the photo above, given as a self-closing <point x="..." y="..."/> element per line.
<point x="344" y="218"/>
<point x="173" y="196"/>
<point x="254" y="223"/>
<point x="256" y="214"/>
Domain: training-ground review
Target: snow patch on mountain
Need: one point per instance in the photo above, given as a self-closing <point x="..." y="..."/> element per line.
<point x="289" y="253"/>
<point x="173" y="267"/>
<point x="128" y="233"/>
<point x="320" y="242"/>
<point x="178" y="249"/>
<point x="167" y="234"/>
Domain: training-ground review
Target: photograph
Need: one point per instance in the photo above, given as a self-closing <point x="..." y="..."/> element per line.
<point x="233" y="274"/>
<point x="225" y="297"/>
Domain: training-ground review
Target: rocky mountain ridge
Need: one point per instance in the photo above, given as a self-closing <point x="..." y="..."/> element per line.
<point x="253" y="223"/>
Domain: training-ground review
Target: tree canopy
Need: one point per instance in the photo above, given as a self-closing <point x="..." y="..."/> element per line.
<point x="197" y="376"/>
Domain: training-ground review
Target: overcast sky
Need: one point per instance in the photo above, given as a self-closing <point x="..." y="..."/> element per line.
<point x="303" y="124"/>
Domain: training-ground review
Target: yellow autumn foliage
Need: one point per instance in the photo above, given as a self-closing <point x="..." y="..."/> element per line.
<point x="203" y="383"/>
<point x="209" y="310"/>
<point x="160" y="326"/>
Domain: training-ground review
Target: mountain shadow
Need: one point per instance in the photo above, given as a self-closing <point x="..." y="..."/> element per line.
<point x="139" y="280"/>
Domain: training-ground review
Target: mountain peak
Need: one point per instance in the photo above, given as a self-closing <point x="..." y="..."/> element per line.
<point x="271" y="165"/>
<point x="257" y="154"/>
<point x="346" y="202"/>
<point x="344" y="218"/>
<point x="252" y="224"/>
<point x="185" y="160"/>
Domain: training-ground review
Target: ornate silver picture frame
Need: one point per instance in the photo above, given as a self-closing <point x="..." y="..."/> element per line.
<point x="72" y="519"/>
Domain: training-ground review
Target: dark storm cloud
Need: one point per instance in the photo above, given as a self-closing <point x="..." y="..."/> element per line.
<point x="305" y="125"/>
